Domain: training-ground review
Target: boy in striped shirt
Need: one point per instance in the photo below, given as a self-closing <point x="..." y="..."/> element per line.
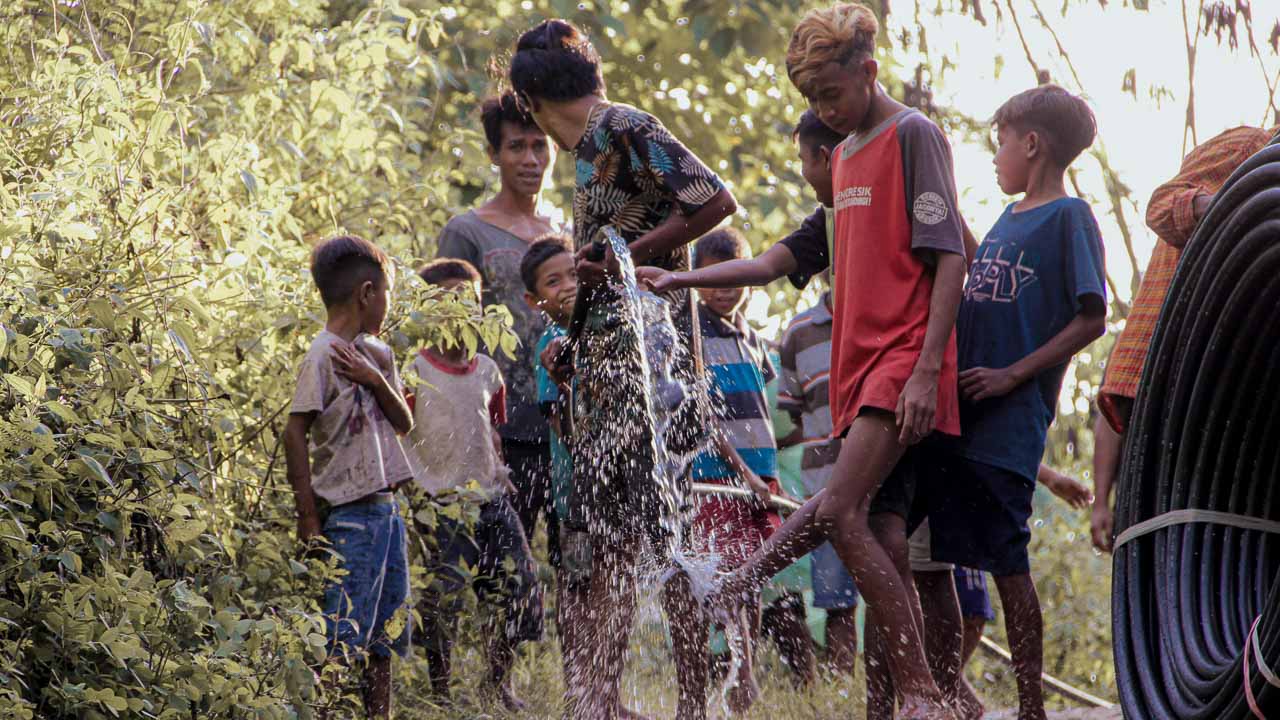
<point x="743" y="449"/>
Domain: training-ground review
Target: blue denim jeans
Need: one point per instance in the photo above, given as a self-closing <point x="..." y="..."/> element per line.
<point x="370" y="540"/>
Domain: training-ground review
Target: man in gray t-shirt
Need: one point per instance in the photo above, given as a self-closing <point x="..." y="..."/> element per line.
<point x="494" y="237"/>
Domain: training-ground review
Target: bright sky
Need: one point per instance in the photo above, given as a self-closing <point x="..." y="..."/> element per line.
<point x="1143" y="136"/>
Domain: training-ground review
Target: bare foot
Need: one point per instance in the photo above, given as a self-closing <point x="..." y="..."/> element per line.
<point x="917" y="708"/>
<point x="629" y="714"/>
<point x="966" y="703"/>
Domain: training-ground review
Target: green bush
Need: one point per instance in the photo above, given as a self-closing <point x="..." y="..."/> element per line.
<point x="165" y="171"/>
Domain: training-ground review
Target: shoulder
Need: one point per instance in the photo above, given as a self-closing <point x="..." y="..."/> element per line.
<point x="1077" y="210"/>
<point x="319" y="353"/>
<point x="488" y="368"/>
<point x="916" y="125"/>
<point x="632" y="122"/>
<point x="1243" y="135"/>
<point x="462" y="224"/>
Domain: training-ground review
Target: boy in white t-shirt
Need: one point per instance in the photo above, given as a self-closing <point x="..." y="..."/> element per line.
<point x="455" y="453"/>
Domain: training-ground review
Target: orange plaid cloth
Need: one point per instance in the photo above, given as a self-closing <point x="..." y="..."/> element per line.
<point x="1170" y="215"/>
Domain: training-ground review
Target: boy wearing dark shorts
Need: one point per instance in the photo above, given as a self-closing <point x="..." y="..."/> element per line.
<point x="1035" y="296"/>
<point x="470" y="524"/>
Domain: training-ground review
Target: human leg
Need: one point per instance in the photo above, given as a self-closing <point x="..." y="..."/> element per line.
<point x="530" y="464"/>
<point x="509" y="576"/>
<point x="689" y="630"/>
<point x="868" y="456"/>
<point x="447" y="545"/>
<point x="784" y="622"/>
<point x="1025" y="628"/>
<point x="985" y="526"/>
<point x="369" y="539"/>
<point x="834" y="591"/>
<point x="888" y="526"/>
<point x="842" y="639"/>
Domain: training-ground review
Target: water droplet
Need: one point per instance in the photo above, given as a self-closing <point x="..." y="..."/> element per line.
<point x="682" y="21"/>
<point x="582" y="6"/>
<point x="640" y="58"/>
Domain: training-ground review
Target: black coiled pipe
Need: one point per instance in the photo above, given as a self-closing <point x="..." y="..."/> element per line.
<point x="1205" y="435"/>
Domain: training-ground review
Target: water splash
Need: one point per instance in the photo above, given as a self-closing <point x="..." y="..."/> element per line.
<point x="639" y="418"/>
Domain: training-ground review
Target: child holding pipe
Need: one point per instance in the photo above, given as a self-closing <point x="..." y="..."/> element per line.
<point x="743" y="447"/>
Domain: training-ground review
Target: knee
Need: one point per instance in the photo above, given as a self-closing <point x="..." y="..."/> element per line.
<point x="843" y="513"/>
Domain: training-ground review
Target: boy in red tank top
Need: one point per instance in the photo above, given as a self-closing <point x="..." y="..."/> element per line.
<point x="899" y="266"/>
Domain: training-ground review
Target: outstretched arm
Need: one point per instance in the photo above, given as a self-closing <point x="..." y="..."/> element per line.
<point x="772" y="264"/>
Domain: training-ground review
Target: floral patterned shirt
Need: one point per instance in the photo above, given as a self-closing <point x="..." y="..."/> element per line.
<point x="632" y="173"/>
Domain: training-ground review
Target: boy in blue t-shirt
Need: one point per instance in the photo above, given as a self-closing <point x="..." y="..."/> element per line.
<point x="1035" y="297"/>
<point x="551" y="286"/>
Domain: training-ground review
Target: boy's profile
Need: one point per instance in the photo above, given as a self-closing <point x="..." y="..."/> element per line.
<point x="342" y="451"/>
<point x="1035" y="297"/>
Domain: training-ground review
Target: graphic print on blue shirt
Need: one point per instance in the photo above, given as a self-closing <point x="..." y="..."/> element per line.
<point x="1028" y="281"/>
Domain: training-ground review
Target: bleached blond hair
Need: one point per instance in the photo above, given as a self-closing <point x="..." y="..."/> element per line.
<point x="835" y="34"/>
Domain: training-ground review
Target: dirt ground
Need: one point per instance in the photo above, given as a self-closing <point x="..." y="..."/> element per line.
<point x="1083" y="714"/>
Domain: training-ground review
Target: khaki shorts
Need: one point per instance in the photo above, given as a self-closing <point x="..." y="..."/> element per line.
<point x="919" y="551"/>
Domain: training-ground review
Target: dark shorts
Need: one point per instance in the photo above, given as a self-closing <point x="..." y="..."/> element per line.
<point x="369" y="539"/>
<point x="530" y="465"/>
<point x="898" y="491"/>
<point x="978" y="515"/>
<point x="501" y="567"/>
<point x="971" y="587"/>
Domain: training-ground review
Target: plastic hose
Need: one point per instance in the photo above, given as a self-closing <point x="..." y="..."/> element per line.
<point x="1196" y="602"/>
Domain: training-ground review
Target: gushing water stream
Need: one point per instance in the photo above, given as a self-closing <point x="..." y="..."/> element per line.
<point x="638" y="421"/>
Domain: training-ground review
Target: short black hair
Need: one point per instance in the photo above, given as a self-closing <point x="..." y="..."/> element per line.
<point x="441" y="269"/>
<point x="540" y="251"/>
<point x="726" y="243"/>
<point x="813" y="133"/>
<point x="341" y="264"/>
<point x="1063" y="119"/>
<point x="496" y="111"/>
<point x="555" y="61"/>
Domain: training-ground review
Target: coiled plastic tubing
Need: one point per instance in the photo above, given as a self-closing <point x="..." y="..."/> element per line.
<point x="1196" y="583"/>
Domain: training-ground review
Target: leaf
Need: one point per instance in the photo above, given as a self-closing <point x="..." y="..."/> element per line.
<point x="184" y="531"/>
<point x="721" y="42"/>
<point x="250" y="182"/>
<point x="78" y="231"/>
<point x="97" y="470"/>
<point x="21" y="385"/>
<point x="104" y="440"/>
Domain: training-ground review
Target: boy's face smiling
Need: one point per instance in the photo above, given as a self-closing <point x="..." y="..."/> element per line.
<point x="556" y="287"/>
<point x="523" y="158"/>
<point x="842" y="94"/>
<point x="724" y="302"/>
<point x="815" y="167"/>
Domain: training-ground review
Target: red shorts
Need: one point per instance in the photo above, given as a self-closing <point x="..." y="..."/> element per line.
<point x="731" y="527"/>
